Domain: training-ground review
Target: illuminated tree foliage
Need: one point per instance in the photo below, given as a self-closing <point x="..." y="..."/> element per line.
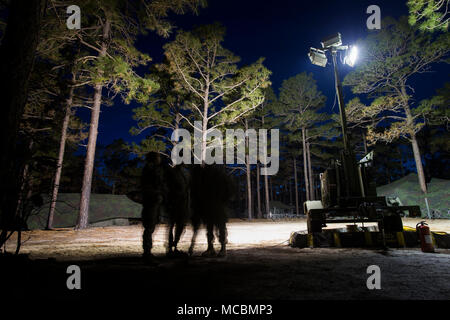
<point x="429" y="15"/>
<point x="298" y="104"/>
<point x="436" y="110"/>
<point x="161" y="115"/>
<point x="222" y="93"/>
<point x="109" y="31"/>
<point x="435" y="136"/>
<point x="391" y="57"/>
<point x="262" y="117"/>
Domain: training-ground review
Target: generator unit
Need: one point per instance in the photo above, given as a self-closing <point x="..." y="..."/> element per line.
<point x="349" y="195"/>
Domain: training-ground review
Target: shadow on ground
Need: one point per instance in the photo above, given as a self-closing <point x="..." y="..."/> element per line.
<point x="272" y="273"/>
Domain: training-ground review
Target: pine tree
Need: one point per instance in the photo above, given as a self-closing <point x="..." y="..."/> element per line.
<point x="265" y="118"/>
<point x="434" y="138"/>
<point x="429" y="15"/>
<point x="392" y="56"/>
<point x="261" y="118"/>
<point x="161" y="115"/>
<point x="222" y="92"/>
<point x="114" y="58"/>
<point x="17" y="53"/>
<point x="60" y="47"/>
<point x="298" y="102"/>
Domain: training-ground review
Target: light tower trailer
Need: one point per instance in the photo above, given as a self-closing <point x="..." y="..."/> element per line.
<point x="347" y="200"/>
<point x="348" y="188"/>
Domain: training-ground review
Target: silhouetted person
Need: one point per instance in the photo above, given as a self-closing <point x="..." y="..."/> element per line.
<point x="154" y="193"/>
<point x="165" y="191"/>
<point x="211" y="191"/>
<point x="177" y="206"/>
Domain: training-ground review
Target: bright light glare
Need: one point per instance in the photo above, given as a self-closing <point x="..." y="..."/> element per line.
<point x="352" y="56"/>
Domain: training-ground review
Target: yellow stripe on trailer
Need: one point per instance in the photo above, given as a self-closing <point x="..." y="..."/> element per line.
<point x="368" y="238"/>
<point x="310" y="240"/>
<point x="337" y="240"/>
<point x="401" y="239"/>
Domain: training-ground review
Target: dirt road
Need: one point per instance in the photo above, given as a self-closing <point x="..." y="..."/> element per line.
<point x="259" y="265"/>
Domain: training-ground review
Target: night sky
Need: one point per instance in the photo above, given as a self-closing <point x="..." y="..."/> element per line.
<point x="282" y="31"/>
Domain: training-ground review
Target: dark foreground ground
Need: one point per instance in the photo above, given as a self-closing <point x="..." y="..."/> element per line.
<point x="259" y="266"/>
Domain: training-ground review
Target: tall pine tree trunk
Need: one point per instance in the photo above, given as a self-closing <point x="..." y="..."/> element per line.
<point x="266" y="189"/>
<point x="312" y="184"/>
<point x="17" y="52"/>
<point x="414" y="143"/>
<point x="290" y="192"/>
<point x="249" y="176"/>
<point x="204" y="137"/>
<point x="269" y="183"/>
<point x="254" y="199"/>
<point x="62" y="147"/>
<point x="305" y="165"/>
<point x="296" y="187"/>
<point x="419" y="166"/>
<point x="266" y="185"/>
<point x="271" y="189"/>
<point x="258" y="190"/>
<point x="246" y="193"/>
<point x="83" y="214"/>
<point x="205" y="122"/>
<point x="23" y="180"/>
<point x="366" y="150"/>
<point x="310" y="172"/>
<point x="301" y="195"/>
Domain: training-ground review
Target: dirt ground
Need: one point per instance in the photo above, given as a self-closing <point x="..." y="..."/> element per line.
<point x="259" y="265"/>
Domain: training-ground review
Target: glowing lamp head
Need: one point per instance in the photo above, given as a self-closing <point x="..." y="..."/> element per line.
<point x="352" y="56"/>
<point x="318" y="57"/>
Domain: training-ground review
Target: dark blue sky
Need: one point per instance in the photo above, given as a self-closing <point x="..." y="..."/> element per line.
<point x="282" y="31"/>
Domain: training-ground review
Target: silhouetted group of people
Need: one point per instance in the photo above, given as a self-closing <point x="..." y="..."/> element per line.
<point x="183" y="194"/>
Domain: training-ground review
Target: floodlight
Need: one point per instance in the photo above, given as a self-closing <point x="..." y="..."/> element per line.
<point x="352" y="56"/>
<point x="318" y="57"/>
<point x="333" y="41"/>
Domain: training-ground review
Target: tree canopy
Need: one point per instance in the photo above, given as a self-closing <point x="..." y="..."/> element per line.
<point x="429" y="15"/>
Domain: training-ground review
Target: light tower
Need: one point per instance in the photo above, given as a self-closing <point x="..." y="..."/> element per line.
<point x="318" y="57"/>
<point x="348" y="189"/>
